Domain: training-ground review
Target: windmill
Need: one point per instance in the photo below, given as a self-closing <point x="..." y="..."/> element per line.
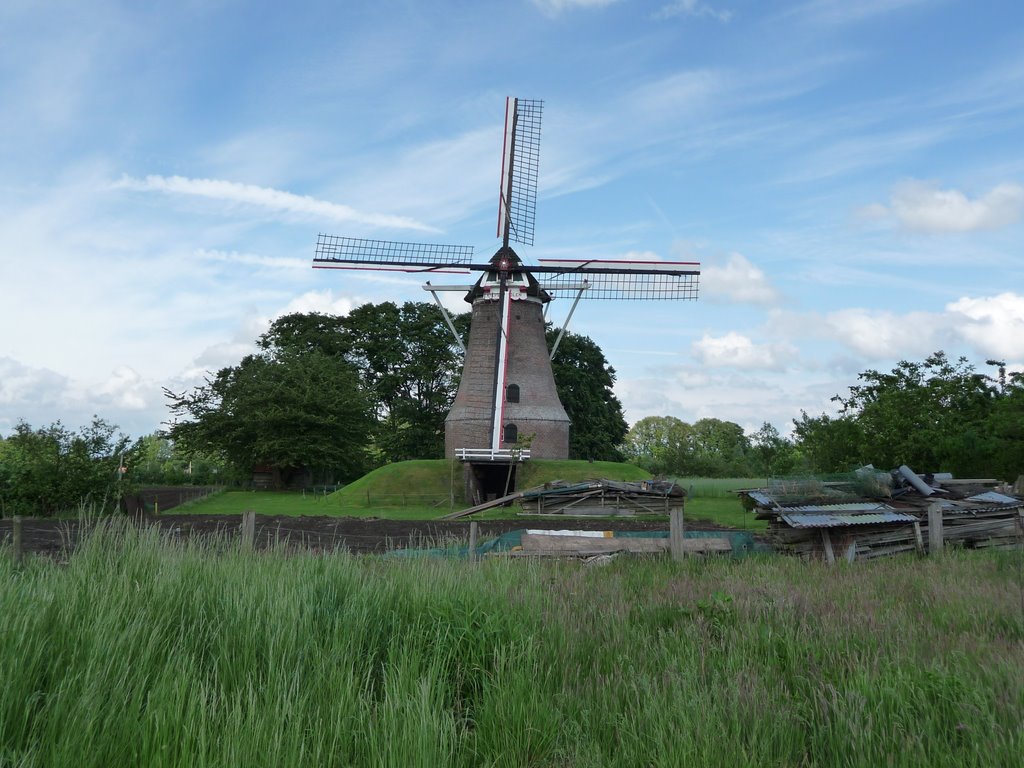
<point x="507" y="390"/>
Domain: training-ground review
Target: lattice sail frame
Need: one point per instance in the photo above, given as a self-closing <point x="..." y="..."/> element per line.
<point x="608" y="279"/>
<point x="520" y="167"/>
<point x="333" y="252"/>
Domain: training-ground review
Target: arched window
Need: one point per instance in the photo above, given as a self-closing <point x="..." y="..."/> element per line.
<point x="511" y="433"/>
<point x="512" y="393"/>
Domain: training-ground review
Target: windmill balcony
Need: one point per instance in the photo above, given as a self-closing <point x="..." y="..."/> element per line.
<point x="506" y="455"/>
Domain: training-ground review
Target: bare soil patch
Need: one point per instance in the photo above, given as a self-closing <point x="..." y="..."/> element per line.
<point x="362" y="535"/>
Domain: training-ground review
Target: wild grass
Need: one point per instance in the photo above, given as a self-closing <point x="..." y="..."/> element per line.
<point x="141" y="651"/>
<point x="717" y="487"/>
<point x="727" y="511"/>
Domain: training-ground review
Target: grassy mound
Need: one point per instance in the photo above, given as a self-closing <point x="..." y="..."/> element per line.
<point x="430" y="481"/>
<point x="539" y="471"/>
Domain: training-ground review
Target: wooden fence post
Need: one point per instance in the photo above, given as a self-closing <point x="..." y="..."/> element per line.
<point x="826" y="542"/>
<point x="474" y="533"/>
<point x="918" y="538"/>
<point x="935" y="528"/>
<point x="676" y="534"/>
<point x="249" y="530"/>
<point x="16" y="533"/>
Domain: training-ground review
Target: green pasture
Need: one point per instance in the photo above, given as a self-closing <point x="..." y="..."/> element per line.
<point x="144" y="651"/>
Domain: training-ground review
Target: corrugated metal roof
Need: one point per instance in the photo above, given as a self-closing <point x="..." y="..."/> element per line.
<point x="837" y="520"/>
<point x="853" y="506"/>
<point x="992" y="497"/>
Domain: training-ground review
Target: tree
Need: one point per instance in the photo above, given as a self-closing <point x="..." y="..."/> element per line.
<point x="934" y="415"/>
<point x="1005" y="426"/>
<point x="409" y="365"/>
<point x="54" y="469"/>
<point x="829" y="444"/>
<point x="407" y="362"/>
<point x="719" y="449"/>
<point x="291" y="411"/>
<point x="772" y="453"/>
<point x="928" y="415"/>
<point x="659" y="444"/>
<point x="160" y="461"/>
<point x="584" y="381"/>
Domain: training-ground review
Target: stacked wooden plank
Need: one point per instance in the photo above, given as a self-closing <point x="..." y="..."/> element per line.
<point x="834" y="523"/>
<point x="603" y="497"/>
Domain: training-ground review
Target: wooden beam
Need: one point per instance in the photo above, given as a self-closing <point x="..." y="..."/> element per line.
<point x="935" y="528"/>
<point x="826" y="541"/>
<point x="481" y="507"/>
<point x="676" y="534"/>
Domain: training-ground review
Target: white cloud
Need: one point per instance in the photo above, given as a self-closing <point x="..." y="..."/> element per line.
<point x="988" y="325"/>
<point x="735" y="350"/>
<point x="884" y="335"/>
<point x="324" y="302"/>
<point x="253" y="260"/>
<point x="734" y="278"/>
<point x="555" y="7"/>
<point x="40" y="396"/>
<point x="269" y="199"/>
<point x="837" y="12"/>
<point x="993" y="324"/>
<point x="924" y="207"/>
<point x="126" y="389"/>
<point x="692" y="8"/>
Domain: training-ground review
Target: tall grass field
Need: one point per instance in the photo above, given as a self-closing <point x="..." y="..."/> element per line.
<point x="141" y="651"/>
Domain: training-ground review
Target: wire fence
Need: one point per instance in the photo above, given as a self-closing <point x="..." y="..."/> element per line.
<point x="376" y="499"/>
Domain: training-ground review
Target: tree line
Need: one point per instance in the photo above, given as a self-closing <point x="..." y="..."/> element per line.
<point x="934" y="415"/>
<point x="336" y="396"/>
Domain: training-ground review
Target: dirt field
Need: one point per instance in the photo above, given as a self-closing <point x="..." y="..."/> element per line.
<point x="361" y="535"/>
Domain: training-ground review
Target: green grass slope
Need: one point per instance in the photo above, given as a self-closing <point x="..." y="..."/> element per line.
<point x="539" y="471"/>
<point x="431" y="481"/>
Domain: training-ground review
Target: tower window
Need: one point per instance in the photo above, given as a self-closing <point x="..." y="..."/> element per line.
<point x="512" y="393"/>
<point x="511" y="433"/>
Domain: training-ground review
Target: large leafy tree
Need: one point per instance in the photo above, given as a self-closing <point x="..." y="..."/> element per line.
<point x="659" y="444"/>
<point x="56" y="469"/>
<point x="937" y="414"/>
<point x="828" y="443"/>
<point x="584" y="381"/>
<point x="770" y="453"/>
<point x="664" y="445"/>
<point x="928" y="415"/>
<point x="289" y="410"/>
<point x="409" y="365"/>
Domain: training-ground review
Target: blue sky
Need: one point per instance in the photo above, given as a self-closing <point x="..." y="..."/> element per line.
<point x="850" y="175"/>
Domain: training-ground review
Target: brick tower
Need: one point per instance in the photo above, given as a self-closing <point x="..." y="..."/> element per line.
<point x="507" y="393"/>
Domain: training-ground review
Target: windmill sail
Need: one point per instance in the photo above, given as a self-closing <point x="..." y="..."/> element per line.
<point x="333" y="252"/>
<point x="520" y="166"/>
<point x="610" y="279"/>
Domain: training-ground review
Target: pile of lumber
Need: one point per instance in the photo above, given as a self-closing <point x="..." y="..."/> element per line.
<point x="583" y="544"/>
<point x="603" y="497"/>
<point x="882" y="514"/>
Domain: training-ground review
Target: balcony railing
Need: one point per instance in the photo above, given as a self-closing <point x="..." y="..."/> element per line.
<point x="493" y="454"/>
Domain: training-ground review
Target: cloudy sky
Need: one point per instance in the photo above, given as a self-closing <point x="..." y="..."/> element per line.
<point x="849" y="173"/>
